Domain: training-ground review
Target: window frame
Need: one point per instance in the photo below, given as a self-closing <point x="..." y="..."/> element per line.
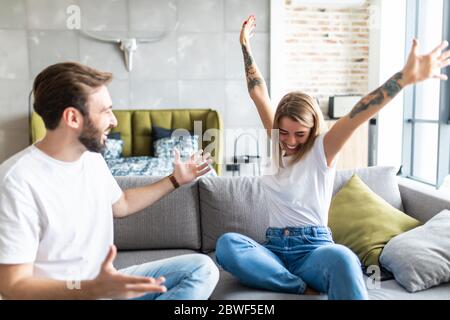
<point x="410" y="105"/>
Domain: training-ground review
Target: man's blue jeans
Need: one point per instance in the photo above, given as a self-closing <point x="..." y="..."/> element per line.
<point x="291" y="259"/>
<point x="188" y="277"/>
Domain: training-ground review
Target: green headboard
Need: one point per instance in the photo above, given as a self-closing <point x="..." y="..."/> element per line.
<point x="135" y="128"/>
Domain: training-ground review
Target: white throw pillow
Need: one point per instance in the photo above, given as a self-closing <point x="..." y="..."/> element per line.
<point x="420" y="258"/>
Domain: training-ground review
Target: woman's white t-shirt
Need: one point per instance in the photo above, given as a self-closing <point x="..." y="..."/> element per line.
<point x="299" y="195"/>
<point x="56" y="215"/>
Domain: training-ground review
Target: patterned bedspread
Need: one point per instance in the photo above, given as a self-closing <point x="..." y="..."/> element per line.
<point x="143" y="166"/>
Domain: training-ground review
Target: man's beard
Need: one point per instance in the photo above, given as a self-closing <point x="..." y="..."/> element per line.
<point x="90" y="137"/>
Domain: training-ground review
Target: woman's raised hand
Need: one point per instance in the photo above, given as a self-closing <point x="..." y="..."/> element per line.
<point x="247" y="30"/>
<point x="422" y="67"/>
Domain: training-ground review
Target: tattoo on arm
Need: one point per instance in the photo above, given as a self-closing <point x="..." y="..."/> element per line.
<point x="388" y="90"/>
<point x="250" y="72"/>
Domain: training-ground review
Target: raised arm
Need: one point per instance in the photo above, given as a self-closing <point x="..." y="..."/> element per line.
<point x="134" y="200"/>
<point x="256" y="85"/>
<point x="418" y="68"/>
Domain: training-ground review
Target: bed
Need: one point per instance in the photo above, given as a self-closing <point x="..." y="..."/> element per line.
<point x="143" y="166"/>
<point x="137" y="132"/>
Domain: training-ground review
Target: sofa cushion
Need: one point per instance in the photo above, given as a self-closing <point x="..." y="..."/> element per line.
<point x="172" y="222"/>
<point x="420" y="201"/>
<point x="130" y="258"/>
<point x="364" y="222"/>
<point x="392" y="290"/>
<point x="381" y="180"/>
<point x="420" y="258"/>
<point x="232" y="205"/>
<point x="229" y="288"/>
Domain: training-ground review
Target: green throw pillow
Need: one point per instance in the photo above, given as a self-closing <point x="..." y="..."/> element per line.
<point x="364" y="222"/>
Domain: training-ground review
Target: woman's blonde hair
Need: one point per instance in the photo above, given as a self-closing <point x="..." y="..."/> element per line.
<point x="304" y="109"/>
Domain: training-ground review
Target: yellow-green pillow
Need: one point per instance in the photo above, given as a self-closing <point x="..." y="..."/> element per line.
<point x="364" y="222"/>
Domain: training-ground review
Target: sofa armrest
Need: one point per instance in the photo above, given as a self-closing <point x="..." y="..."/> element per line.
<point x="420" y="201"/>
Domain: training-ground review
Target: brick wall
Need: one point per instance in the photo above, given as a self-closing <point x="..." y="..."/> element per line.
<point x="326" y="50"/>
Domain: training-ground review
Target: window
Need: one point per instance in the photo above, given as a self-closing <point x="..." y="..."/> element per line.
<point x="426" y="140"/>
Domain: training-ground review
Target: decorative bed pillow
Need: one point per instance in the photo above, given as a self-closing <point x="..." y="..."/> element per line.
<point x="420" y="258"/>
<point x="365" y="222"/>
<point x="186" y="144"/>
<point x="160" y="133"/>
<point x="144" y="166"/>
<point x="115" y="136"/>
<point x="113" y="148"/>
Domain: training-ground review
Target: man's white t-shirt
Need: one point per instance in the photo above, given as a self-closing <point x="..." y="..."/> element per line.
<point x="300" y="194"/>
<point x="56" y="215"/>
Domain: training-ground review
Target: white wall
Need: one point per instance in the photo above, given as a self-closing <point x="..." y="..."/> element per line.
<point x="277" y="50"/>
<point x="387" y="56"/>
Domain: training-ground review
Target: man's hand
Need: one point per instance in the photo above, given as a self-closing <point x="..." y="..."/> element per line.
<point x="134" y="200"/>
<point x="247" y="30"/>
<point x="422" y="67"/>
<point x="112" y="284"/>
<point x="196" y="166"/>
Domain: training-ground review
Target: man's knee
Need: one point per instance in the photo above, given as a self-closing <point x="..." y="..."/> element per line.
<point x="205" y="268"/>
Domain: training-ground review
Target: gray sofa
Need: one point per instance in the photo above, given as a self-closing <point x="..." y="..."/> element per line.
<point x="191" y="219"/>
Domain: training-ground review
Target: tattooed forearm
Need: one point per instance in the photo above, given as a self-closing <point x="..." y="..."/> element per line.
<point x="392" y="86"/>
<point x="251" y="83"/>
<point x="251" y="73"/>
<point x="248" y="59"/>
<point x="387" y="91"/>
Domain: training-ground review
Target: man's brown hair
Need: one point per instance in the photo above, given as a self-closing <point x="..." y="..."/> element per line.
<point x="65" y="85"/>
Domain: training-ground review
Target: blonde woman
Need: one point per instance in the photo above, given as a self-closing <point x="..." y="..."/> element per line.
<point x="299" y="255"/>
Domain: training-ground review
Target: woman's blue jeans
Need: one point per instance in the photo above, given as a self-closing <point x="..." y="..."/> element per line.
<point x="291" y="259"/>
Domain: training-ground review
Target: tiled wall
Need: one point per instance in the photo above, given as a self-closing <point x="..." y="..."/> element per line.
<point x="197" y="66"/>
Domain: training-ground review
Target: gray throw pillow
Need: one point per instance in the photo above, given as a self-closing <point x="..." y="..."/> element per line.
<point x="420" y="258"/>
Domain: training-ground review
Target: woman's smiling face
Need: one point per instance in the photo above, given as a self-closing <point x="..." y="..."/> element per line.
<point x="292" y="135"/>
